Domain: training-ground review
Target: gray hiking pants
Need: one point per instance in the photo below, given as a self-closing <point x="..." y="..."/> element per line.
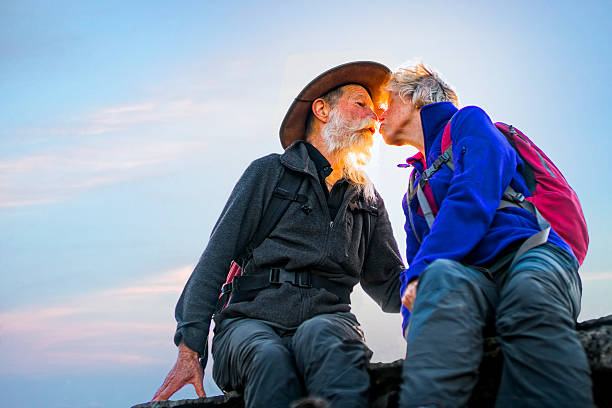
<point x="326" y="356"/>
<point x="531" y="308"/>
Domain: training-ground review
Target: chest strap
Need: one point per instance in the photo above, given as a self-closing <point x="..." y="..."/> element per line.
<point x="246" y="287"/>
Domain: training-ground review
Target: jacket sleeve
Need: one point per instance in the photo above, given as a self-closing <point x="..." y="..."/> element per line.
<point x="231" y="234"/>
<point x="383" y="264"/>
<point x="484" y="166"/>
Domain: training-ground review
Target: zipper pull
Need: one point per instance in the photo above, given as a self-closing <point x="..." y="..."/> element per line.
<point x="331" y="224"/>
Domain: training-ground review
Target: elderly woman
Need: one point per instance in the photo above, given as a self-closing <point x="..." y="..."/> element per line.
<point x="474" y="266"/>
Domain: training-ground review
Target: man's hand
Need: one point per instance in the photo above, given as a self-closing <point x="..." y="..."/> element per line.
<point x="410" y="294"/>
<point x="186" y="370"/>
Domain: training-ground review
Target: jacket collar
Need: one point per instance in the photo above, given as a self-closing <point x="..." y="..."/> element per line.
<point x="433" y="119"/>
<point x="296" y="158"/>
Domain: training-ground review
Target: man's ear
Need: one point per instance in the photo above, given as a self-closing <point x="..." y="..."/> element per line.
<point x="321" y="109"/>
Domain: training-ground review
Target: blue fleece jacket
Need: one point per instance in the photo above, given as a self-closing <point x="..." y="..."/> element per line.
<point x="468" y="227"/>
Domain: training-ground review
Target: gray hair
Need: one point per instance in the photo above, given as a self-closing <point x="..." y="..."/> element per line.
<point x="331" y="98"/>
<point x="421" y="86"/>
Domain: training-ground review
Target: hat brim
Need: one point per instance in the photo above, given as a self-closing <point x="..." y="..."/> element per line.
<point x="371" y="75"/>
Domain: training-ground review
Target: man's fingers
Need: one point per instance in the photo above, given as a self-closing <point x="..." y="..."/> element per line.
<point x="170" y="388"/>
<point x="162" y="387"/>
<point x="161" y="394"/>
<point x="198" y="381"/>
<point x="199" y="388"/>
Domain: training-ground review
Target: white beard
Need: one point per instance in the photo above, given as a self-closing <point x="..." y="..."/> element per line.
<point x="351" y="143"/>
<point x="344" y="137"/>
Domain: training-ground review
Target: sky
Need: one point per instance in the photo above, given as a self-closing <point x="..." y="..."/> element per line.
<point x="125" y="125"/>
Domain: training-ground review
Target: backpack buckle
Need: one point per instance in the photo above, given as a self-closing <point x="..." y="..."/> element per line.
<point x="515" y="197"/>
<point x="227" y="288"/>
<point x="303" y="280"/>
<point x="300" y="279"/>
<point x="275" y="275"/>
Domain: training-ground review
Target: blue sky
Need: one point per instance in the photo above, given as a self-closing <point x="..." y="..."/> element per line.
<point x="125" y="126"/>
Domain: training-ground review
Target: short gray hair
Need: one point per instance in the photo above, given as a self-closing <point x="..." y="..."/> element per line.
<point x="331" y="98"/>
<point x="421" y="86"/>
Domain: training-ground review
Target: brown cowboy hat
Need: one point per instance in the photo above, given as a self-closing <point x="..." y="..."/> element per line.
<point x="371" y="75"/>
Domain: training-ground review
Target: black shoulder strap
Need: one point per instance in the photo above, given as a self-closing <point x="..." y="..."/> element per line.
<point x="370" y="213"/>
<point x="284" y="193"/>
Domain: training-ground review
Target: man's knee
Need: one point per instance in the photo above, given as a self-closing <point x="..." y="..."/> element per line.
<point x="328" y="329"/>
<point x="328" y="334"/>
<point x="246" y="346"/>
<point x="266" y="353"/>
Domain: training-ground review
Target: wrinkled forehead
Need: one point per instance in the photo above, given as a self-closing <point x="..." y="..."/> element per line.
<point x="356" y="90"/>
<point x="355" y="93"/>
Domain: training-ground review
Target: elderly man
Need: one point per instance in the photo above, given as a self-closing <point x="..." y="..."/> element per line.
<point x="474" y="266"/>
<point x="287" y="331"/>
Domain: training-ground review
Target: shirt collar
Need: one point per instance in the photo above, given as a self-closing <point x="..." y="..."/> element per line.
<point x="322" y="165"/>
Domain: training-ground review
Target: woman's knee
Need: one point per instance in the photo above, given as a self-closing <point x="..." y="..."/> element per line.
<point x="449" y="274"/>
<point x="529" y="300"/>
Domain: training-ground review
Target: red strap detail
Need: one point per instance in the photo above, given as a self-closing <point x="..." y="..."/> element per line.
<point x="430" y="199"/>
<point x="446" y="137"/>
<point x="417" y="157"/>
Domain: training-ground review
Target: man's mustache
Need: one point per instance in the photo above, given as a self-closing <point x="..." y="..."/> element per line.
<point x="363" y="124"/>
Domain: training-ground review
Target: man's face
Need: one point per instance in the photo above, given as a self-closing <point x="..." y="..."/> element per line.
<point x="355" y="106"/>
<point x="351" y="122"/>
<point x="401" y="123"/>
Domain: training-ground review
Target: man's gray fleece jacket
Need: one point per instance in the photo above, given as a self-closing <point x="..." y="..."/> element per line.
<point x="335" y="249"/>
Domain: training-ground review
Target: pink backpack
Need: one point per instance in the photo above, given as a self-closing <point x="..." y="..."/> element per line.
<point x="552" y="197"/>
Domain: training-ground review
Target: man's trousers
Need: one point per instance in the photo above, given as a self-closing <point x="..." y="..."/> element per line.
<point x="530" y="307"/>
<point x="326" y="356"/>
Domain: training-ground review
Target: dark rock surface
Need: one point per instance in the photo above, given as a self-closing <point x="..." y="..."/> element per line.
<point x="595" y="335"/>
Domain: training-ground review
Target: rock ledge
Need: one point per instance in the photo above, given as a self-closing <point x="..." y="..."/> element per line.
<point x="595" y="335"/>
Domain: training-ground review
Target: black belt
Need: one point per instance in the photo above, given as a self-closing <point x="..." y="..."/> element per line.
<point x="246" y="287"/>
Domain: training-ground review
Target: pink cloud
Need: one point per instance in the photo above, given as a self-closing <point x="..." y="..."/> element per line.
<point x="130" y="325"/>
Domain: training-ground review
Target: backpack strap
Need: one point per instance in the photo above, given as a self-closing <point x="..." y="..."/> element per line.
<point x="409" y="197"/>
<point x="446" y="136"/>
<point x="369" y="213"/>
<point x="444" y="158"/>
<point x="285" y="192"/>
<point x="429" y="216"/>
<point x="510" y="198"/>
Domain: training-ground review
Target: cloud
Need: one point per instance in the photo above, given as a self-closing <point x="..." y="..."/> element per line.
<point x="125" y="326"/>
<point x="60" y="174"/>
<point x="184" y="114"/>
<point x="120" y="118"/>
<point x="119" y="143"/>
<point x="132" y="326"/>
<point x="595" y="276"/>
